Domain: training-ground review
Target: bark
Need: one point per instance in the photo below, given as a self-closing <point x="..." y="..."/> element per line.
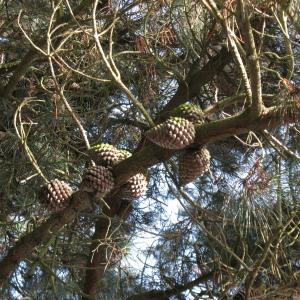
<point x="98" y="260"/>
<point x="148" y="156"/>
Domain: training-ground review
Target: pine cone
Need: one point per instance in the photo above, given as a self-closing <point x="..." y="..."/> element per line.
<point x="193" y="164"/>
<point x="98" y="180"/>
<point x="105" y="155"/>
<point x="56" y="195"/>
<point x="175" y="133"/>
<point x="190" y="112"/>
<point x="135" y="187"/>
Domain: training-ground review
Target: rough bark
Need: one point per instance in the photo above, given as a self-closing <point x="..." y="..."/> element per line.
<point x="98" y="260"/>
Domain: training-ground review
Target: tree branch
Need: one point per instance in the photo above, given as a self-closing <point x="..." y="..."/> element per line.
<point x="24" y="247"/>
<point x="253" y="61"/>
<point x="141" y="160"/>
<point x="164" y="295"/>
<point x="196" y="79"/>
<point x="33" y="54"/>
<point x="292" y="9"/>
<point x="97" y="259"/>
<point x="281" y="147"/>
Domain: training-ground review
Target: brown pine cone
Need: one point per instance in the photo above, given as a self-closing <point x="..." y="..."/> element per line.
<point x="175" y="133"/>
<point x="135" y="187"/>
<point x="193" y="164"/>
<point x="56" y="195"/>
<point x="98" y="180"/>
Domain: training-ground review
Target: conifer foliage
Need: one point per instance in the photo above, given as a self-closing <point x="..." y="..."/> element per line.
<point x="163" y="140"/>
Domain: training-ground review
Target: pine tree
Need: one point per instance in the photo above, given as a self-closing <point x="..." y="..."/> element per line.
<point x="149" y="149"/>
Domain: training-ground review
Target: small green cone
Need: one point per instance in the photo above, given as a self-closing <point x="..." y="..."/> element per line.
<point x="124" y="154"/>
<point x="190" y="112"/>
<point x="105" y="155"/>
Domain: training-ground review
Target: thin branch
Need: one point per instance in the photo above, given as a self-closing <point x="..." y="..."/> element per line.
<point x="253" y="60"/>
<point x="282" y="21"/>
<point x="212" y="7"/>
<point x="281" y="146"/>
<point x="232" y="100"/>
<point x="68" y="106"/>
<point x="19" y="128"/>
<point x="113" y="69"/>
<point x="33" y="55"/>
<point x="162" y="295"/>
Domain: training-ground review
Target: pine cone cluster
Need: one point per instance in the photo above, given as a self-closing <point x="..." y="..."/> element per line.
<point x="134" y="188"/>
<point x="97" y="179"/>
<point x="56" y="195"/>
<point x="175" y="133"/>
<point x="193" y="164"/>
<point x="108" y="156"/>
<point x="190" y="112"/>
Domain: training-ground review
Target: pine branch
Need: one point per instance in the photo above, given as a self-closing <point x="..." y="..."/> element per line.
<point x="147" y="157"/>
<point x="196" y="79"/>
<point x="32" y="55"/>
<point x="25" y="246"/>
<point x="252" y="59"/>
<point x="163" y="295"/>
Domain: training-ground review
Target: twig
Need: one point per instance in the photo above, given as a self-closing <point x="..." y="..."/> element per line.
<point x="212" y="7"/>
<point x="253" y="61"/>
<point x="23" y="136"/>
<point x="68" y="106"/>
<point x="280" y="145"/>
<point x="113" y="69"/>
